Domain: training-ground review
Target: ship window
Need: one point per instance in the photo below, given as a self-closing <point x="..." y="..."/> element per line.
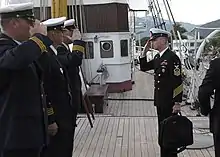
<point x="106" y="49"/>
<point x="89" y="50"/>
<point x="124" y="48"/>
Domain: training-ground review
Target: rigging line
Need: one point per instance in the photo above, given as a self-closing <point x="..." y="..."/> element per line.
<point x="163" y="22"/>
<point x="171" y="12"/>
<point x="158" y="15"/>
<point x="153" y="13"/>
<point x="155" y="16"/>
<point x="174" y="33"/>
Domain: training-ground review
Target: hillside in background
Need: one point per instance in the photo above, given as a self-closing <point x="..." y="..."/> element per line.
<point x="149" y="23"/>
<point x="204" y="32"/>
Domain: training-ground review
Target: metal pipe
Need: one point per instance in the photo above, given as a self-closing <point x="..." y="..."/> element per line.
<point x="73" y="15"/>
<point x="76" y="14"/>
<point x="202" y="46"/>
<point x="213" y="28"/>
<point x="41" y="10"/>
<point x="195" y="45"/>
<point x="44" y="10"/>
<point x="80" y="14"/>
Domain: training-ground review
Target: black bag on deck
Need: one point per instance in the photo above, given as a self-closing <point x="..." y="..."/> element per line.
<point x="176" y="132"/>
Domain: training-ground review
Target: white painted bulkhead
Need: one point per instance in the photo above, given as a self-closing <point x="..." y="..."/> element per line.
<point x="119" y="67"/>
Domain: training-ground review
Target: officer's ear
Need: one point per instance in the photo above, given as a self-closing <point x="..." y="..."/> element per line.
<point x="14" y="23"/>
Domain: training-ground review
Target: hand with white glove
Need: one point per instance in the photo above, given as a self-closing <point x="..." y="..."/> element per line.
<point x="146" y="49"/>
<point x="38" y="28"/>
<point x="76" y="35"/>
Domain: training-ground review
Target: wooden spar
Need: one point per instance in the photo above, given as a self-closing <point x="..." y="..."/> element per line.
<point x="58" y="8"/>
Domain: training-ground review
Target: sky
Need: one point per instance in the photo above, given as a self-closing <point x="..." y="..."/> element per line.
<point x="191" y="11"/>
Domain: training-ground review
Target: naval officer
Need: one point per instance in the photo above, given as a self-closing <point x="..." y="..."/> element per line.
<point x="210" y="85"/>
<point x="73" y="63"/>
<point x="57" y="87"/>
<point x="23" y="120"/>
<point x="168" y="86"/>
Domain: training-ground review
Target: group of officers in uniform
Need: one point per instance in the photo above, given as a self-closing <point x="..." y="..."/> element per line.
<point x="40" y="85"/>
<point x="40" y="88"/>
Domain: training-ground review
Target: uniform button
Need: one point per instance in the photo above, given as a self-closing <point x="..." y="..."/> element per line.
<point x="43" y="109"/>
<point x="42" y="95"/>
<point x="158" y="74"/>
<point x="158" y="81"/>
<point x="158" y="88"/>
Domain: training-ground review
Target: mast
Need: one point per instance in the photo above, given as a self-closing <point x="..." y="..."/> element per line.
<point x="59" y="8"/>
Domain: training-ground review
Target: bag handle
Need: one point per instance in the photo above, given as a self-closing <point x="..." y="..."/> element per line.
<point x="181" y="149"/>
<point x="173" y="114"/>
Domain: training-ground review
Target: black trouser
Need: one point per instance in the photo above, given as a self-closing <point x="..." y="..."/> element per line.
<point x="162" y="114"/>
<point x="61" y="145"/>
<point x="33" y="152"/>
<point x="216" y="138"/>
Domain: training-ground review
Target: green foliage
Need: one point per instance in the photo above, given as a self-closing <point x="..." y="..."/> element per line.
<point x="143" y="41"/>
<point x="181" y="29"/>
<point x="213" y="46"/>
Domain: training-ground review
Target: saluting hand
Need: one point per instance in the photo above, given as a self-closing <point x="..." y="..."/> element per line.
<point x="52" y="129"/>
<point x="76" y="35"/>
<point x="38" y="28"/>
<point x="146" y="48"/>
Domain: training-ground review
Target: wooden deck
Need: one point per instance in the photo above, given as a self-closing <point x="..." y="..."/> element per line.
<point x="128" y="128"/>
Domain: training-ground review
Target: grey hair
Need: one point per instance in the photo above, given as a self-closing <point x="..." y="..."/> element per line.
<point x="4" y="22"/>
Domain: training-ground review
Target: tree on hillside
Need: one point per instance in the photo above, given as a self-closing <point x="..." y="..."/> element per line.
<point x="181" y="29"/>
<point x="143" y="41"/>
<point x="213" y="46"/>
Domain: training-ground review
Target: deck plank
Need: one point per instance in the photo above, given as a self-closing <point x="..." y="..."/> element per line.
<point x="128" y="128"/>
<point x="101" y="138"/>
<point x="124" y="137"/>
<point x="107" y="138"/>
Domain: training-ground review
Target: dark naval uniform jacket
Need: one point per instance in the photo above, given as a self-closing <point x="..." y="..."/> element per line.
<point x="211" y="85"/>
<point x="23" y="109"/>
<point x="168" y="87"/>
<point x="57" y="88"/>
<point x="72" y="61"/>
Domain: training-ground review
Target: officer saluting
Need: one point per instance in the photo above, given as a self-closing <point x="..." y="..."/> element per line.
<point x="23" y="120"/>
<point x="209" y="86"/>
<point x="72" y="59"/>
<point x="59" y="94"/>
<point x="168" y="86"/>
